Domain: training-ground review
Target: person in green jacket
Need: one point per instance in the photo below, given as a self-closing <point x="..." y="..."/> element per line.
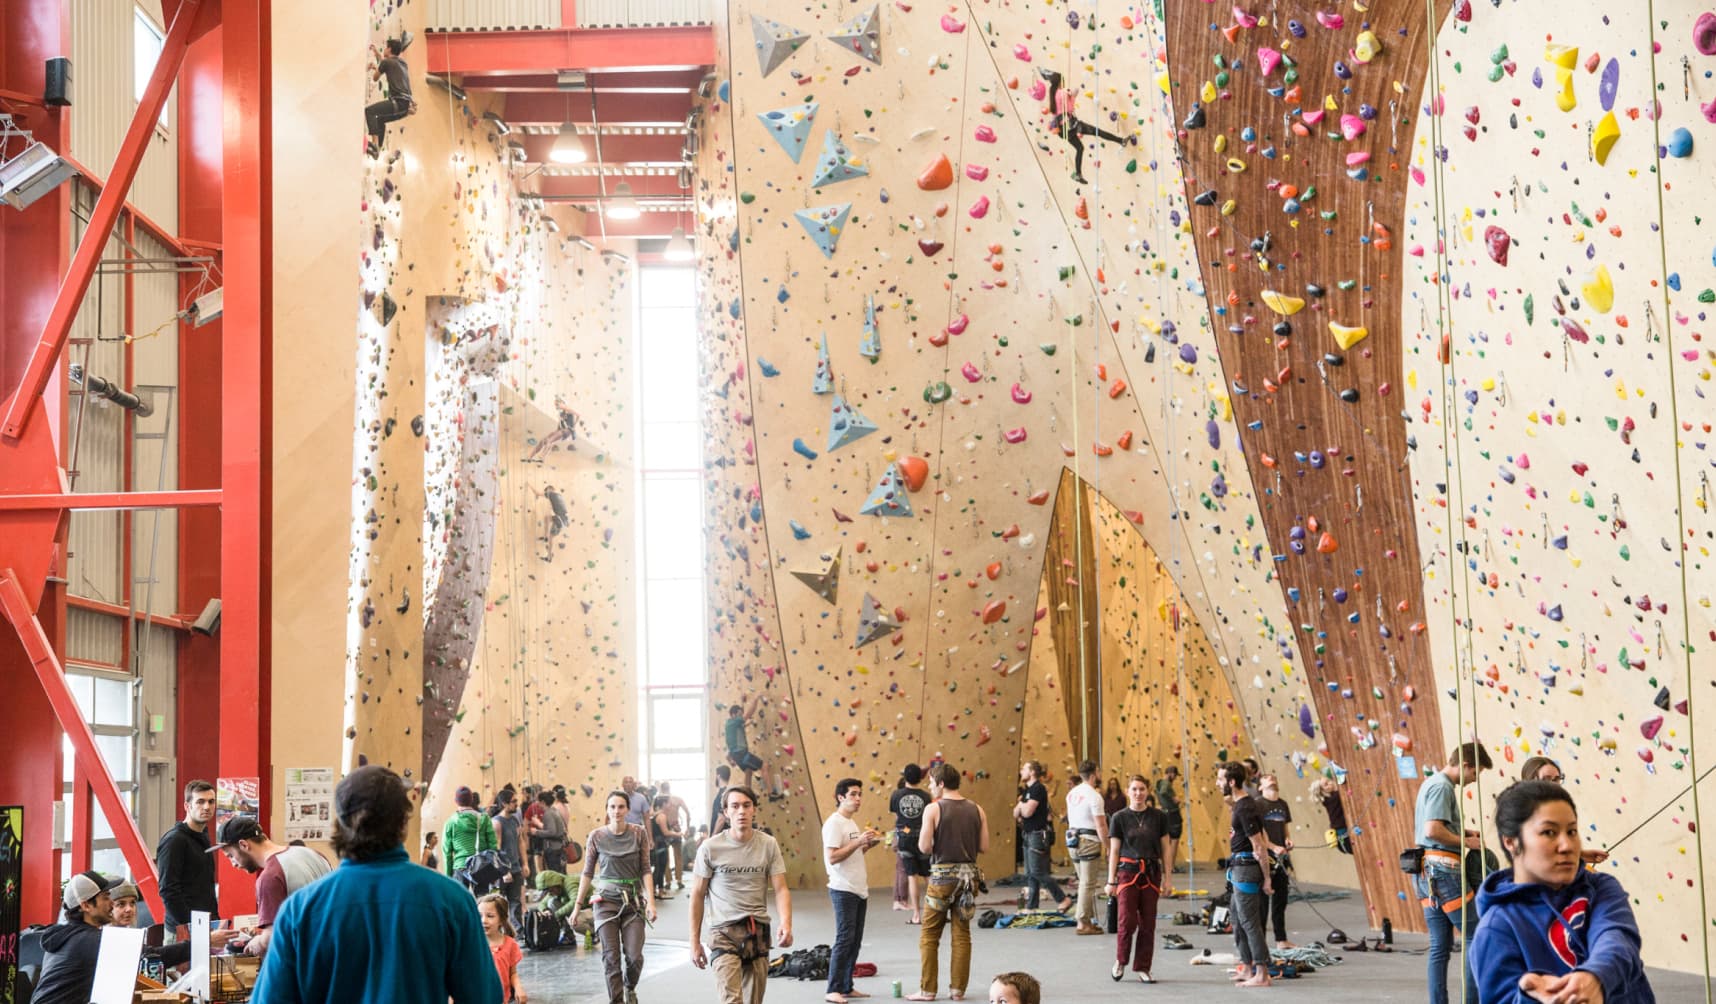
<point x="466" y="832"/>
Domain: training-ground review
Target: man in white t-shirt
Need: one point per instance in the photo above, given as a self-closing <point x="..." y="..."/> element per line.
<point x="734" y="871"/>
<point x="843" y="845"/>
<point x="1087" y="821"/>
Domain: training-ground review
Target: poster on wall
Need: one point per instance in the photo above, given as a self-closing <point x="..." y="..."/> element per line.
<point x="309" y="803"/>
<point x="11" y="896"/>
<point x="236" y="796"/>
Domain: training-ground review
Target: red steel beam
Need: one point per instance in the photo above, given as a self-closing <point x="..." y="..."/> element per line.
<point x="156" y="231"/>
<point x="16" y="608"/>
<point x="608" y="82"/>
<point x="101" y="221"/>
<point x="544" y="109"/>
<point x="115" y="610"/>
<point x="659" y="149"/>
<point x="111" y="500"/>
<point x="648" y="186"/>
<point x="571" y="49"/>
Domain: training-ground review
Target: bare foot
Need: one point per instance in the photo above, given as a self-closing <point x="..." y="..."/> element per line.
<point x="1255" y="982"/>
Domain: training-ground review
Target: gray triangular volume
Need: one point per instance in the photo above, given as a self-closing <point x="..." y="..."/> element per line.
<point x="826" y="581"/>
<point x="874" y="623"/>
<point x="862" y="35"/>
<point x="775" y="42"/>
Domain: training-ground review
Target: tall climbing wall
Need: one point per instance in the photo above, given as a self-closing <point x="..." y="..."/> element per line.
<point x="489" y="641"/>
<point x="989" y="321"/>
<point x="1554" y="385"/>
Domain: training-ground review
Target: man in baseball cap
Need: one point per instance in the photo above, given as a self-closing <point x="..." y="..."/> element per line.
<point x="280" y="871"/>
<point x="70" y="947"/>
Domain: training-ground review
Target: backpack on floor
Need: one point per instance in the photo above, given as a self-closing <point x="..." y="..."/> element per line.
<point x="804" y="964"/>
<point x="541" y="930"/>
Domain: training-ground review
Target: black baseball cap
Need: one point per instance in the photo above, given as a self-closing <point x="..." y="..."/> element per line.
<point x="238" y="828"/>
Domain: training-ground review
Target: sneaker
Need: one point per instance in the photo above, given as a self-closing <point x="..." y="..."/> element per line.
<point x="1117" y="972"/>
<point x="1145" y="977"/>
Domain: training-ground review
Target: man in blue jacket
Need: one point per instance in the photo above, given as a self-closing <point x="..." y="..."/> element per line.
<point x="381" y="929"/>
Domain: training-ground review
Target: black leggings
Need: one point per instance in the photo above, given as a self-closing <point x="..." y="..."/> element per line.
<point x="1073" y="129"/>
<point x="658" y="864"/>
<point x="1278" y="882"/>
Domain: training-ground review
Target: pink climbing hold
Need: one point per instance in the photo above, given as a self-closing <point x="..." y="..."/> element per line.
<point x="976" y="172"/>
<point x="980" y="208"/>
<point x="1331" y="20"/>
<point x="1021" y="395"/>
<point x="1267" y="59"/>
<point x="1243" y="17"/>
<point x="1651" y="727"/>
<point x="1312" y="115"/>
<point x="1704" y="33"/>
<point x="971" y="373"/>
<point x="952" y="25"/>
<point x="958" y="324"/>
<point x="1022" y="52"/>
<point x="1352" y="127"/>
<point x="1498" y="242"/>
<point x="1014" y="436"/>
<point x="983" y="134"/>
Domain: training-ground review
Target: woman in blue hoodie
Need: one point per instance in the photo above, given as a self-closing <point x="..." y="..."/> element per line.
<point x="1549" y="930"/>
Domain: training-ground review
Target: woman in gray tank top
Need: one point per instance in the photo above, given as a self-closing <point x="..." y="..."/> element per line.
<point x="617" y="876"/>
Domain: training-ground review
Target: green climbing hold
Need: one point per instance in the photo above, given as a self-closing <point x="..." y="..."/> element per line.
<point x="747" y="197"/>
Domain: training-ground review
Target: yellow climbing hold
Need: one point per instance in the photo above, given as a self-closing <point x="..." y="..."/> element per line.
<point x="1599" y="290"/>
<point x="1282" y="304"/>
<point x="1229" y="207"/>
<point x="1367" y="47"/>
<point x="1221" y="142"/>
<point x="1564" y="97"/>
<point x="1208" y="93"/>
<point x="1564" y="56"/>
<point x="1235" y="165"/>
<point x="1347" y="337"/>
<point x="1164" y="82"/>
<point x="1603" y="140"/>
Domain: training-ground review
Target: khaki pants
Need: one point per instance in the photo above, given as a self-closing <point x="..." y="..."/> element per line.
<point x="1087" y="887"/>
<point x="738" y="981"/>
<point x="929" y="942"/>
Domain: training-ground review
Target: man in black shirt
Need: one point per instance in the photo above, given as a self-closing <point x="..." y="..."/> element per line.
<point x="1248" y="870"/>
<point x="1032" y="812"/>
<point x="181" y="856"/>
<point x="907" y="805"/>
<point x="1138" y="844"/>
<point x="398" y="103"/>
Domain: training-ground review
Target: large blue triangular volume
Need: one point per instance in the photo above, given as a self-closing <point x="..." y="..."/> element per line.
<point x="874" y="623"/>
<point x="791" y="126"/>
<point x="846" y="423"/>
<point x="836" y="163"/>
<point x="888" y="498"/>
<point x="862" y="35"/>
<point x="775" y="42"/>
<point x="824" y="381"/>
<point x="824" y="224"/>
<point x="870" y="346"/>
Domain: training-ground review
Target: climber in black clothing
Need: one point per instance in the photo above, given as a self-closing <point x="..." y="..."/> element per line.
<point x="558" y="519"/>
<point x="565" y="431"/>
<point x="1070" y="127"/>
<point x="398" y="103"/>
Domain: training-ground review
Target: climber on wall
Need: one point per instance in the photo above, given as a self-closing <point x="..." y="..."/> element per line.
<point x="398" y="103"/>
<point x="1070" y="127"/>
<point x="565" y="432"/>
<point x="739" y="748"/>
<point x="559" y="518"/>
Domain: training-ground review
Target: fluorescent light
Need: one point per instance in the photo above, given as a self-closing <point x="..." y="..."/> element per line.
<point x="622" y="205"/>
<point x="568" y="147"/>
<point x="31" y="175"/>
<point x="679" y="247"/>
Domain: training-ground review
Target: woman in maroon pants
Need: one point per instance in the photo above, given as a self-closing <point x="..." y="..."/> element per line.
<point x="1137" y="846"/>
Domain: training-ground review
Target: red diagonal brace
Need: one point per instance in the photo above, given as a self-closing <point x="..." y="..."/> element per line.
<point x="52" y="677"/>
<point x="101" y="221"/>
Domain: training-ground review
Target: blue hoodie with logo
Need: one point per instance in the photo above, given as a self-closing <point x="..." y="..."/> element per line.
<point x="1531" y="928"/>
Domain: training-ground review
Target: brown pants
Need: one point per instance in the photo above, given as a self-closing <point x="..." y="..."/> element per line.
<point x="929" y="941"/>
<point x="738" y="981"/>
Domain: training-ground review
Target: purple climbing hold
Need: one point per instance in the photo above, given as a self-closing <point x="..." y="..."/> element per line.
<point x="1704" y="33"/>
<point x="1218" y="487"/>
<point x="1188" y="353"/>
<point x="1608" y="84"/>
<point x="1307" y="723"/>
<point x="1213" y="431"/>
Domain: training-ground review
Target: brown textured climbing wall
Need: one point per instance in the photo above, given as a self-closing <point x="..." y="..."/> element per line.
<point x="1294" y="135"/>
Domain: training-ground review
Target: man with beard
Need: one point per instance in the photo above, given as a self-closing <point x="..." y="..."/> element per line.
<point x="280" y="871"/>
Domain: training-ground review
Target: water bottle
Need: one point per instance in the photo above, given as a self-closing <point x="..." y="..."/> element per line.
<point x="896" y="988"/>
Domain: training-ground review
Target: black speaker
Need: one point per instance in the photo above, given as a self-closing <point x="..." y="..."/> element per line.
<point x="56" y="89"/>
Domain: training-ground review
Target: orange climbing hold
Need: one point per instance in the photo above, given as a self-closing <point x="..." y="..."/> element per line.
<point x="994" y="610"/>
<point x="938" y="175"/>
<point x="915" y="471"/>
<point x="993" y="571"/>
<point x="1326" y="544"/>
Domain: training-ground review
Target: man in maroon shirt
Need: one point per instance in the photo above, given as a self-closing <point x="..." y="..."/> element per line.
<point x="280" y="871"/>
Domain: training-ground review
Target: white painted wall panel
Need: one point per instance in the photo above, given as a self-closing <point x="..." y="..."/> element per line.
<point x="642" y="13"/>
<point x="492" y="15"/>
<point x="155" y="360"/>
<point x="93" y="637"/>
<point x="104" y="100"/>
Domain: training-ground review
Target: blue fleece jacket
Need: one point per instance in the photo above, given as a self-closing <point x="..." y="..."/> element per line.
<point x="1530" y="928"/>
<point x="384" y="930"/>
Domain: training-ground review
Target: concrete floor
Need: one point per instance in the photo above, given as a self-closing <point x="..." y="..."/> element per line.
<point x="1071" y="968"/>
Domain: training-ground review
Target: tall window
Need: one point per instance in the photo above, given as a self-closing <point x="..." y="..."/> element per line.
<point x="109" y="704"/>
<point x="147" y="38"/>
<point x="673" y="678"/>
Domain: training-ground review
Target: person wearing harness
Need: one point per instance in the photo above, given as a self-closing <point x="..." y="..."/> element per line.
<point x="1168" y="800"/>
<point x="1087" y="838"/>
<point x="1446" y="903"/>
<point x="398" y="103"/>
<point x="1036" y="829"/>
<point x="1249" y="870"/>
<point x="734" y="871"/>
<point x="1276" y="816"/>
<point x="955" y="832"/>
<point x="622" y="893"/>
<point x="565" y="431"/>
<point x="1138" y="844"/>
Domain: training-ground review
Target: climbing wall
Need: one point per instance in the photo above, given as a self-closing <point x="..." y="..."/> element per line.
<point x="989" y="322"/>
<point x="1554" y="384"/>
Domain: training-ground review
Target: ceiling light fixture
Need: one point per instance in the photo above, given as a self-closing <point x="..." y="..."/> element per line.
<point x="499" y="123"/>
<point x="623" y="205"/>
<point x="679" y="247"/>
<point x="568" y="147"/>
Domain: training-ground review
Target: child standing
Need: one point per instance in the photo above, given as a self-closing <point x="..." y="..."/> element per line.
<point x="502" y="946"/>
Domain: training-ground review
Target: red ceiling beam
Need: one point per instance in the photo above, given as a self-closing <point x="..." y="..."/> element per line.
<point x="542" y="108"/>
<point x="648" y="225"/>
<point x="608" y="82"/>
<point x="86" y="501"/>
<point x="102" y="219"/>
<point x="644" y="187"/>
<point x="663" y="149"/>
<point x="571" y="49"/>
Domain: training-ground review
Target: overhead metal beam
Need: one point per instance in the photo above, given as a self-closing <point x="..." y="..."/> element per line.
<point x="665" y="149"/>
<point x="102" y="219"/>
<point x="649" y="186"/>
<point x="111" y="500"/>
<point x="545" y="109"/>
<point x="571" y="49"/>
<point x="607" y="82"/>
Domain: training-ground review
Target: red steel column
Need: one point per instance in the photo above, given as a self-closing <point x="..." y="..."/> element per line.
<point x="34" y="248"/>
<point x="247" y="405"/>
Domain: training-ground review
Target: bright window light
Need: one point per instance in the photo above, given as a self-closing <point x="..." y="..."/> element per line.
<point x="146" y="42"/>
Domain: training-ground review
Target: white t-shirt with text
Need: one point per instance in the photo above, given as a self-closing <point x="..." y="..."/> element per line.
<point x="1084" y="805"/>
<point x="848" y="875"/>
